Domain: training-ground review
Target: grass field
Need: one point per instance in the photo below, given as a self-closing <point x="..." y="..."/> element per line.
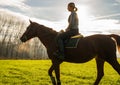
<point x="34" y="72"/>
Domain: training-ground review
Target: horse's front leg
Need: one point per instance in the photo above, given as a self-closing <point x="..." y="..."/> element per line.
<point x="51" y="76"/>
<point x="57" y="73"/>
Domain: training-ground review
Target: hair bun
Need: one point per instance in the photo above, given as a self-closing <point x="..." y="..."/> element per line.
<point x="75" y="9"/>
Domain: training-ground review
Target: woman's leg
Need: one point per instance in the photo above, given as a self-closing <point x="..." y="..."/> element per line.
<point x="60" y="41"/>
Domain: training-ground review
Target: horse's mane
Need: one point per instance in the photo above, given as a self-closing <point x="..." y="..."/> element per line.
<point x="47" y="29"/>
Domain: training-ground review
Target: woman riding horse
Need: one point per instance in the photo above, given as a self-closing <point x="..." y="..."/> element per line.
<point x="71" y="30"/>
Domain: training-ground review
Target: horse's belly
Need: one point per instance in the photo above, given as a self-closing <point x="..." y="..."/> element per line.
<point x="79" y="58"/>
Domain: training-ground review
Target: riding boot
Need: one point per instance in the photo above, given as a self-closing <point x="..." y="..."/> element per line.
<point x="60" y="52"/>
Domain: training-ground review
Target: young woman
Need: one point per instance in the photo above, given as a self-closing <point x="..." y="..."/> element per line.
<point x="71" y="30"/>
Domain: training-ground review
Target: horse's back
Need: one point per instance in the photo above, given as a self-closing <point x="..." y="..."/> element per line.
<point x="101" y="42"/>
<point x="89" y="47"/>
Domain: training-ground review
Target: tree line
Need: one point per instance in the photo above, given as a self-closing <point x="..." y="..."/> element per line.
<point x="11" y="29"/>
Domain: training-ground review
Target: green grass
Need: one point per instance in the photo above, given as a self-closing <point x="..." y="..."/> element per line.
<point x="34" y="72"/>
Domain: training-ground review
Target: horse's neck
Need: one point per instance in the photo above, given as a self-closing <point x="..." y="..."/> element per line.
<point x="48" y="39"/>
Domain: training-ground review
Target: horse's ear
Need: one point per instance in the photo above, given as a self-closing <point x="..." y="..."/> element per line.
<point x="30" y="21"/>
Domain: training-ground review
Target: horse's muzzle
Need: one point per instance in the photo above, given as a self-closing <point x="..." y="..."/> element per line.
<point x="23" y="38"/>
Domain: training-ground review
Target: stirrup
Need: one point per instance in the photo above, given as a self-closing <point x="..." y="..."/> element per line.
<point x="62" y="57"/>
<point x="56" y="54"/>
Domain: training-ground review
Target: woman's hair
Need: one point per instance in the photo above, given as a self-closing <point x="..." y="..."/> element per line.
<point x="71" y="4"/>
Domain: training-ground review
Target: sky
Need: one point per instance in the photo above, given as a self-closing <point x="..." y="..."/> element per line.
<point x="95" y="16"/>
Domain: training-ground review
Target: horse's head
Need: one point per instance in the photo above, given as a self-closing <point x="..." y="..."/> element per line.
<point x="30" y="32"/>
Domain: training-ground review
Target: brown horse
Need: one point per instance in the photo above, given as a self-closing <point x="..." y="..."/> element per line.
<point x="100" y="47"/>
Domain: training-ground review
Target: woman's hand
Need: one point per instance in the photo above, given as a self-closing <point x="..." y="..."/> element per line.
<point x="67" y="29"/>
<point x="61" y="31"/>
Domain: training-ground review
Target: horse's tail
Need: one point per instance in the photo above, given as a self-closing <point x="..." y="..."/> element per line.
<point x="117" y="39"/>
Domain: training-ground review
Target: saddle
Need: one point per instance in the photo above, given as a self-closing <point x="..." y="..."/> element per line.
<point x="73" y="41"/>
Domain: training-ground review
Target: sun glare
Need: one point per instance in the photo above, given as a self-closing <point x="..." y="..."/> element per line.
<point x="83" y="13"/>
<point x="85" y="18"/>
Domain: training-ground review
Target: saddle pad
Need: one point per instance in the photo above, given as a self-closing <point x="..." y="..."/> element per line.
<point x="72" y="43"/>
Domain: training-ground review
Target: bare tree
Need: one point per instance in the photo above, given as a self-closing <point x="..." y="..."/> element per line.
<point x="11" y="28"/>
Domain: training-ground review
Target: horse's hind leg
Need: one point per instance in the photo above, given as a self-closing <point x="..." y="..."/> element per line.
<point x="100" y="70"/>
<point x="113" y="61"/>
<point x="51" y="76"/>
